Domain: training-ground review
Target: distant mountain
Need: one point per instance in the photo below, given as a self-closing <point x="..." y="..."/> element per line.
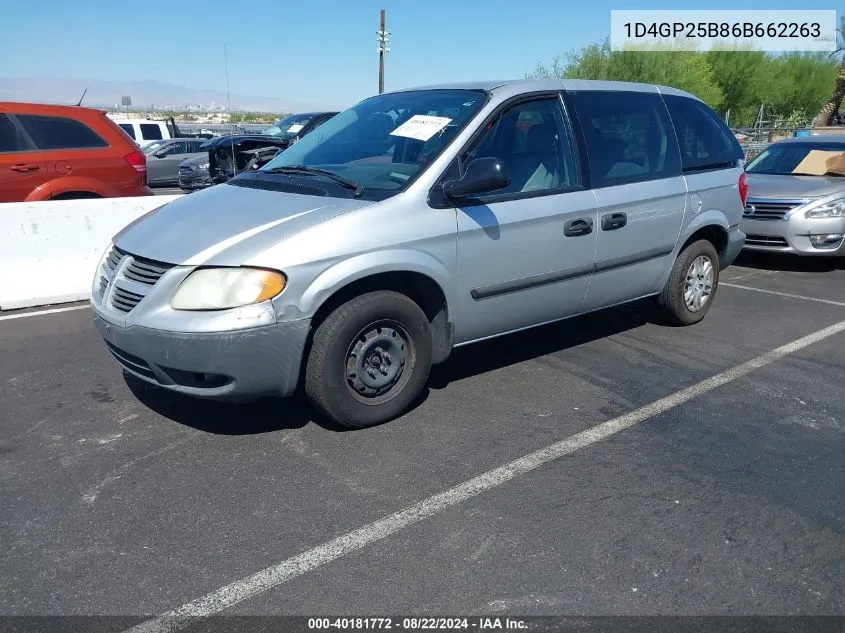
<point x="143" y="93"/>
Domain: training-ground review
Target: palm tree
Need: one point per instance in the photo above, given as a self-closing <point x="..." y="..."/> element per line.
<point x="828" y="112"/>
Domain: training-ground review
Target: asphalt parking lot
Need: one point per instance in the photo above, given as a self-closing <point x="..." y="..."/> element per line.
<point x="727" y="499"/>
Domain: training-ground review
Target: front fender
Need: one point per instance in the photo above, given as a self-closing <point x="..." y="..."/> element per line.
<point x="365" y="265"/>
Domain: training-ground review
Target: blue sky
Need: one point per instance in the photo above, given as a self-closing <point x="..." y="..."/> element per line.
<point x="319" y="51"/>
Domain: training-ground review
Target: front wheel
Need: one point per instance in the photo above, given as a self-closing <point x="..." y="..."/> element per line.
<point x="692" y="284"/>
<point x="369" y="359"/>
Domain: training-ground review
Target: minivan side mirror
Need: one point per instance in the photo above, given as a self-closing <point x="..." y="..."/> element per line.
<point x="483" y="175"/>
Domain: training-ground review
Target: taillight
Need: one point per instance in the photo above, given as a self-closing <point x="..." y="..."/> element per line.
<point x="138" y="160"/>
<point x="743" y="187"/>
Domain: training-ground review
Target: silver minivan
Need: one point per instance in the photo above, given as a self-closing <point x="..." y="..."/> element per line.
<point x="419" y="221"/>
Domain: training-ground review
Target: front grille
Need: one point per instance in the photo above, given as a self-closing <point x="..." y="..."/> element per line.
<point x="765" y="240"/>
<point x="132" y="278"/>
<point x="186" y="172"/>
<point x="124" y="300"/>
<point x="767" y="210"/>
<point x="145" y="271"/>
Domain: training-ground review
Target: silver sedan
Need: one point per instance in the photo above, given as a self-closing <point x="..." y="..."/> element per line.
<point x="796" y="197"/>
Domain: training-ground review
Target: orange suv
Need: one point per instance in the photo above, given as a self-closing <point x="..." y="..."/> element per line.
<point x="53" y="152"/>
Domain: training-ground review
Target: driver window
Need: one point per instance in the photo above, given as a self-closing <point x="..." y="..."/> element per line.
<point x="534" y="142"/>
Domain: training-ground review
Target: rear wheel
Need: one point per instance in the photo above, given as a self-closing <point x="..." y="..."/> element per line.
<point x="689" y="292"/>
<point x="369" y="359"/>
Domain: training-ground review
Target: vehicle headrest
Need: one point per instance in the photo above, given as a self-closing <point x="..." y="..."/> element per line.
<point x="540" y="138"/>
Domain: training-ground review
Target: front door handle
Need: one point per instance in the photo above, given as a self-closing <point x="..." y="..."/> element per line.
<point x="581" y="226"/>
<point x="25" y="167"/>
<point x="613" y="221"/>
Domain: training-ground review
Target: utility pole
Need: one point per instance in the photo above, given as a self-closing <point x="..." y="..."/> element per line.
<point x="382" y="49"/>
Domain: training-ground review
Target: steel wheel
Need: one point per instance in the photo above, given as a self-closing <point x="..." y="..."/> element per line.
<point x="698" y="285"/>
<point x="376" y="361"/>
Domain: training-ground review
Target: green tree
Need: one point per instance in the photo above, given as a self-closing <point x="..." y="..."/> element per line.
<point x="686" y="70"/>
<point x="792" y="86"/>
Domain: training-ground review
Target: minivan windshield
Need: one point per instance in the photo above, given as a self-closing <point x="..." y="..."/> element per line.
<point x="800" y="159"/>
<point x="288" y="127"/>
<point x="383" y="142"/>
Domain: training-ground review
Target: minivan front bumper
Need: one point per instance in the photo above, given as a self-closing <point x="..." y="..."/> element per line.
<point x="238" y="365"/>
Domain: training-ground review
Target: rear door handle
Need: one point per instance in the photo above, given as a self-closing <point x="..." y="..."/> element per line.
<point x="581" y="226"/>
<point x="25" y="167"/>
<point x="613" y="221"/>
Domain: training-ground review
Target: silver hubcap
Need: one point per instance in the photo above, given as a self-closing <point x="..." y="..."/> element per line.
<point x="698" y="285"/>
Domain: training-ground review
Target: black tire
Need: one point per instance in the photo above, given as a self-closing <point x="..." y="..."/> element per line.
<point x="671" y="302"/>
<point x="344" y="374"/>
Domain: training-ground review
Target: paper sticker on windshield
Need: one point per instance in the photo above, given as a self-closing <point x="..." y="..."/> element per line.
<point x="293" y="129"/>
<point x="421" y="127"/>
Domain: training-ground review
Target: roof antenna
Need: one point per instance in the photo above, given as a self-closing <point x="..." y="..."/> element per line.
<point x="82" y="97"/>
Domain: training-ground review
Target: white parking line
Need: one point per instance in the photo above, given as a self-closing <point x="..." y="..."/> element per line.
<point x="275" y="575"/>
<point x="841" y="304"/>
<point x="23" y="315"/>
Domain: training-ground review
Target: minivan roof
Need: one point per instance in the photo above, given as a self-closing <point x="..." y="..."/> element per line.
<point x="519" y="86"/>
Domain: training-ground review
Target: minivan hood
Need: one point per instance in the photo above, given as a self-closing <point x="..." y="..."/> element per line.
<point x="793" y="187"/>
<point x="226" y="224"/>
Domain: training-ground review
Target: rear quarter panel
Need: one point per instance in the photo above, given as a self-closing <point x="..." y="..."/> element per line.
<point x="100" y="170"/>
<point x="713" y="200"/>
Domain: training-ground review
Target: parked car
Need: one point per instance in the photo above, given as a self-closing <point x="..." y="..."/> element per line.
<point x="796" y="200"/>
<point x="54" y="152"/>
<point x="145" y="131"/>
<point x="165" y="157"/>
<point x="419" y="221"/>
<point x="193" y="173"/>
<point x="230" y="155"/>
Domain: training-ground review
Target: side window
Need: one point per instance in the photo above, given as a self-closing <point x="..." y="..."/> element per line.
<point x="11" y="139"/>
<point x="170" y="149"/>
<point x="535" y="143"/>
<point x="151" y="132"/>
<point x="127" y="127"/>
<point x="705" y="141"/>
<point x="194" y="146"/>
<point x="629" y="137"/>
<point x="50" y="133"/>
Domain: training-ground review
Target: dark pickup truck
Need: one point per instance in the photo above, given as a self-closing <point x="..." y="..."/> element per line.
<point x="232" y="154"/>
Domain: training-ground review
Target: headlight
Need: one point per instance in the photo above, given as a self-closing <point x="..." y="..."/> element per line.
<point x="832" y="209"/>
<point x="204" y="166"/>
<point x="221" y="288"/>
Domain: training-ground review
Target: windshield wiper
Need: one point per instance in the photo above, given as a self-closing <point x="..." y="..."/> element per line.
<point x="302" y="169"/>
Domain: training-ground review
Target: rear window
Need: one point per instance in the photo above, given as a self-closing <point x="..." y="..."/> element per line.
<point x="629" y="137"/>
<point x="11" y="139"/>
<point x="150" y="132"/>
<point x="705" y="141"/>
<point x="52" y="132"/>
<point x="128" y="128"/>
